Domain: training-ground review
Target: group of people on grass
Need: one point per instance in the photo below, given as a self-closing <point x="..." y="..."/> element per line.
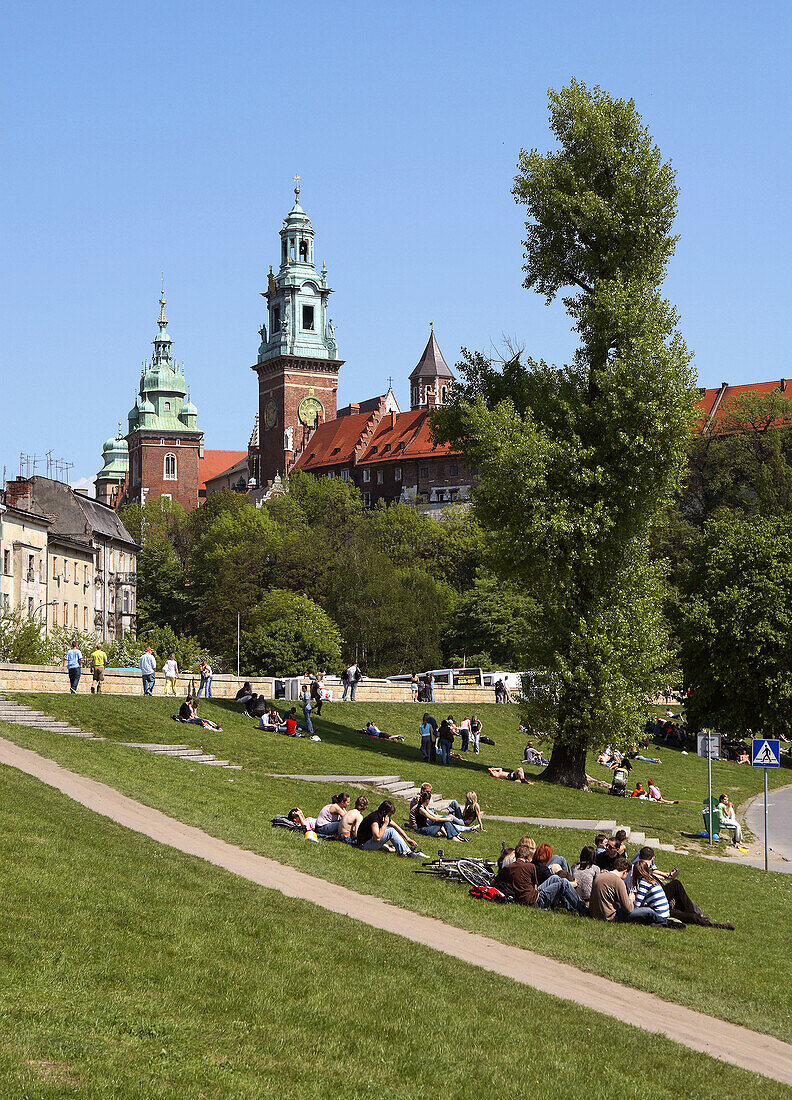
<point x="377" y="830"/>
<point x="603" y="884"/>
<point x="437" y="739"/>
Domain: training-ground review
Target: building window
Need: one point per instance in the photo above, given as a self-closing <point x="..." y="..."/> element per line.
<point x="170" y="467"/>
<point x="126" y="602"/>
<point x="85" y="576"/>
<point x="54" y="614"/>
<point x="167" y="406"/>
<point x="443" y="393"/>
<point x="367" y="475"/>
<point x="308" y="318"/>
<point x="30" y="607"/>
<point x="31" y="573"/>
<point x="304" y="252"/>
<point x="66" y="572"/>
<point x="397" y="473"/>
<point x="65" y="613"/>
<point x="7" y="562"/>
<point x="424" y="471"/>
<point x="76" y="615"/>
<point x="345" y="475"/>
<point x="367" y="500"/>
<point x="454" y="470"/>
<point x="85" y="619"/>
<point x="379" y="477"/>
<point x="276" y="313"/>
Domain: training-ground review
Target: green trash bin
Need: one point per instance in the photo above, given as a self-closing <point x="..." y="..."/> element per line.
<point x="710" y="810"/>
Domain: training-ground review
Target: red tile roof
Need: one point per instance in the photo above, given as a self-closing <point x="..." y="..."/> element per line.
<point x="714" y="402"/>
<point x="397" y="435"/>
<point x="216" y="462"/>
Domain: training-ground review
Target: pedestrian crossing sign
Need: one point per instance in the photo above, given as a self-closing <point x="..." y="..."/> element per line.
<point x="765" y="753"/>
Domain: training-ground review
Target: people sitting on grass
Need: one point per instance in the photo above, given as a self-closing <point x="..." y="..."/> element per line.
<point x="520" y="879"/>
<point x="585" y="871"/>
<point x="469" y="815"/>
<point x="374" y="731"/>
<point x="682" y="907"/>
<point x="272" y="721"/>
<point x="432" y="824"/>
<point x="517" y="775"/>
<point x="639" y="791"/>
<point x="188" y="712"/>
<point x="378" y="829"/>
<point x="544" y="858"/>
<point x="349" y="823"/>
<point x="329" y="816"/>
<point x="253" y="705"/>
<point x="533" y="756"/>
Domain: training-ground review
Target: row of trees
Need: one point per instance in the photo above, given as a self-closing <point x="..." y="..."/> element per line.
<point x="317" y="579"/>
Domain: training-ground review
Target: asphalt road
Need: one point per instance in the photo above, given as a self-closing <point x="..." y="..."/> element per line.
<point x="779" y="821"/>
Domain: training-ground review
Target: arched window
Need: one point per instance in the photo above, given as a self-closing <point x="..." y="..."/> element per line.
<point x="170" y="467"/>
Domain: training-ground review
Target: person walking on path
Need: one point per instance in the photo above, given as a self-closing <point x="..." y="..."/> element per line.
<point x="98" y="665"/>
<point x="414" y="686"/>
<point x="170" y="670"/>
<point x="205" y="685"/>
<point x="316" y="693"/>
<point x="148" y="669"/>
<point x="353" y="678"/>
<point x="475" y="733"/>
<point x="72" y="662"/>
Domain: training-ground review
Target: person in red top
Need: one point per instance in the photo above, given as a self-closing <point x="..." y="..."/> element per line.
<point x="291" y="723"/>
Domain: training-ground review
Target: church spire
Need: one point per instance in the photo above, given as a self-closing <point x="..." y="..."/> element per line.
<point x="162" y="320"/>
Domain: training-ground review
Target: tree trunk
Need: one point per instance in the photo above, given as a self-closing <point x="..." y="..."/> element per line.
<point x="567" y="765"/>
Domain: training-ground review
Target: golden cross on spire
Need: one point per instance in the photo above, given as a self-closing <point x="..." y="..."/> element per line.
<point x="296" y="186"/>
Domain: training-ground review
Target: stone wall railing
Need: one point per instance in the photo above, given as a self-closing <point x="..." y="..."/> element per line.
<point x="44" y="678"/>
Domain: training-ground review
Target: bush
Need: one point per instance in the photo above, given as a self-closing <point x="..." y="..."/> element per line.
<point x="285" y="633"/>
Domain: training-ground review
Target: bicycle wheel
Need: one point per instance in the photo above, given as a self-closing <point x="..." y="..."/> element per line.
<point x="474" y="873"/>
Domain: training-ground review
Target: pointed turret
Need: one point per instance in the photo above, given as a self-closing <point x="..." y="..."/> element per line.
<point x="431" y="380"/>
<point x="297" y="296"/>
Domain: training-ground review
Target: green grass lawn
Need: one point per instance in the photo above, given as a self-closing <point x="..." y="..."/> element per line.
<point x="131" y="970"/>
<point x="733" y="975"/>
<point x="343" y="751"/>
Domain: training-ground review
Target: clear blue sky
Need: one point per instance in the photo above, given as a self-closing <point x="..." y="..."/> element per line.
<point x="143" y="137"/>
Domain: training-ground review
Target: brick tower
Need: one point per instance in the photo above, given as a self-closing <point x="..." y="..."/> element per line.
<point x="298" y="362"/>
<point x="164" y="440"/>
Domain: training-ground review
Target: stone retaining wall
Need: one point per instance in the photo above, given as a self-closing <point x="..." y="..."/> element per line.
<point x="40" y="678"/>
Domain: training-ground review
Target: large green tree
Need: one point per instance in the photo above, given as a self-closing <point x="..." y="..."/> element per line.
<point x="735" y="625"/>
<point x="577" y="462"/>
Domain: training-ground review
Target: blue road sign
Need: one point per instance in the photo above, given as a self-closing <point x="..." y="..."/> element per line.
<point x="765" y="753"/>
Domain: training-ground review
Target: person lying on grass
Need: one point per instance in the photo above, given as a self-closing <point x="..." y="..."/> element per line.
<point x="656" y="796"/>
<point x="519" y="879"/>
<point x="349" y="823"/>
<point x="378" y="829"/>
<point x="374" y="731"/>
<point x="516" y="776"/>
<point x="188" y="712"/>
<point x="328" y="818"/>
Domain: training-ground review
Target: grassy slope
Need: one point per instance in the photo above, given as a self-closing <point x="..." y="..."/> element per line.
<point x="734" y="975"/>
<point x="143" y="972"/>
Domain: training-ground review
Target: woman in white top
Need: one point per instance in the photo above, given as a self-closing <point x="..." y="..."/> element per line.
<point x="170" y="670"/>
<point x="729" y="818"/>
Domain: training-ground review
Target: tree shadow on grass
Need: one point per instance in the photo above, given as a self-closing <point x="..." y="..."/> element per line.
<point x="403" y="753"/>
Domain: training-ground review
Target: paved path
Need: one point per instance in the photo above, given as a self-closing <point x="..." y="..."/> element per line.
<point x="779" y="823"/>
<point x="725" y="1041"/>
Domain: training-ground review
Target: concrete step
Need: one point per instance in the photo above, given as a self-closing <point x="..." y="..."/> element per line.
<point x="637" y="838"/>
<point x="153" y="747"/>
<point x="410" y="793"/>
<point x="215" y="763"/>
<point x="202" y="758"/>
<point x="402" y="785"/>
<point x="652" y="842"/>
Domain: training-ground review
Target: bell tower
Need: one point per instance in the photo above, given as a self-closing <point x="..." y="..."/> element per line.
<point x="298" y="360"/>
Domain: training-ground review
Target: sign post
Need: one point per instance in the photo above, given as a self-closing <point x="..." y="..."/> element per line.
<point x="709" y="746"/>
<point x="765" y="753"/>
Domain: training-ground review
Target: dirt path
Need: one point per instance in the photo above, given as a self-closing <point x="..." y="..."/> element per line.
<point x="727" y="1042"/>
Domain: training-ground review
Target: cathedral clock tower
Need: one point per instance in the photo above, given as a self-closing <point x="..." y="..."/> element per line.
<point x="298" y="359"/>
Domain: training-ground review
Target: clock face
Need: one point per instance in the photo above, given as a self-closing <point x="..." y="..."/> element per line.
<point x="270" y="414"/>
<point x="309" y="410"/>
